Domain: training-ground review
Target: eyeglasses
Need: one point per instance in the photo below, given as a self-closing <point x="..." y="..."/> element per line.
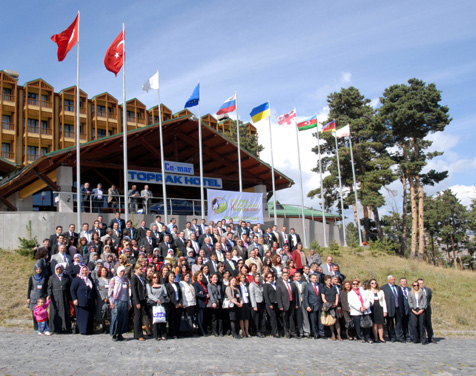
<point x="415" y="285"/>
<point x="355" y="284"/>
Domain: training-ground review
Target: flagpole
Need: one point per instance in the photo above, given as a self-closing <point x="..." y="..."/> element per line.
<point x="202" y="199"/>
<point x="238" y="142"/>
<point x="272" y="167"/>
<point x="300" y="178"/>
<point x="324" y="226"/>
<point x="355" y="188"/>
<point x="162" y="162"/>
<point x="340" y="186"/>
<point x="124" y="121"/>
<point x="78" y="140"/>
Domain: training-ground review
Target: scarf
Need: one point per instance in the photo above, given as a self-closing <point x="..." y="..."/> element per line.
<point x="85" y="279"/>
<point x="77" y="255"/>
<point x="360" y="297"/>
<point x="206" y="291"/>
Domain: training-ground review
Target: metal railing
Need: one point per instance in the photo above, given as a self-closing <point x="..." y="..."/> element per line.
<point x="174" y="205"/>
<point x="33" y="129"/>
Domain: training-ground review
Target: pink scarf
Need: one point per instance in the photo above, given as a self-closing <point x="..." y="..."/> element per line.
<point x="85" y="279"/>
<point x="360" y="297"/>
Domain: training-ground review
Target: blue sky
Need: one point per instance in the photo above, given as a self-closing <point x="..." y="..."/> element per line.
<point x="291" y="53"/>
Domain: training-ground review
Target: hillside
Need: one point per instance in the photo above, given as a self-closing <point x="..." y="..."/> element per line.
<point x="454" y="292"/>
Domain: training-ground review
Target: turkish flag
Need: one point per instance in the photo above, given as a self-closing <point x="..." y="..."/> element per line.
<point x="67" y="39"/>
<point x="115" y="55"/>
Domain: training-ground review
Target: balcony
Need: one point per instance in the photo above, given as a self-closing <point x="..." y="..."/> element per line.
<point x="38" y="130"/>
<point x="7" y="126"/>
<point x="72" y="134"/>
<point x="8" y="155"/>
<point x="134" y="118"/>
<point x="104" y="114"/>
<point x="8" y="97"/>
<point x="37" y="102"/>
<point x="32" y="157"/>
<point x="70" y="108"/>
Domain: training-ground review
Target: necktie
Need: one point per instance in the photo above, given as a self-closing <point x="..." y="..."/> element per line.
<point x="289" y="291"/>
<point x="395" y="292"/>
<point x="149" y="240"/>
<point x="64" y="257"/>
<point x="315" y="289"/>
<point x="232" y="265"/>
<point x="405" y="292"/>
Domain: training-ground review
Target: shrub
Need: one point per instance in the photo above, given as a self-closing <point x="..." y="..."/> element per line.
<point x="27" y="244"/>
<point x="334" y="248"/>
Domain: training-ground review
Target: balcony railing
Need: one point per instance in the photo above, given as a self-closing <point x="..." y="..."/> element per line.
<point x="134" y="118"/>
<point x="106" y="114"/>
<point x="36" y="102"/>
<point x="8" y="126"/>
<point x="70" y="108"/>
<point x="9" y="97"/>
<point x="7" y="154"/>
<point x="32" y="157"/>
<point x="48" y="131"/>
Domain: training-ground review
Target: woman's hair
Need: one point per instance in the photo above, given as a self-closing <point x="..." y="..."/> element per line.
<point x="239" y="276"/>
<point x="81" y="240"/>
<point x="367" y="285"/>
<point x="345" y="284"/>
<point x="356" y="280"/>
<point x="100" y="270"/>
<point x="288" y="264"/>
<point x="377" y="287"/>
<point x="256" y="275"/>
<point x="327" y="278"/>
<point x="205" y="266"/>
<point x="275" y="259"/>
<point x="197" y="273"/>
<point x="155" y="274"/>
<point x="251" y="267"/>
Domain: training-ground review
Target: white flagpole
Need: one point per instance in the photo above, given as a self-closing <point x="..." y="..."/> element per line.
<point x="124" y="121"/>
<point x="272" y="167"/>
<point x="355" y="188"/>
<point x="78" y="140"/>
<point x="300" y="178"/>
<point x="324" y="226"/>
<point x="340" y="188"/>
<point x="238" y="142"/>
<point x="202" y="199"/>
<point x="162" y="161"/>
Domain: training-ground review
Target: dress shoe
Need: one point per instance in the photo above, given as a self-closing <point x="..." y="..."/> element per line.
<point x="276" y="336"/>
<point x="120" y="337"/>
<point x="141" y="339"/>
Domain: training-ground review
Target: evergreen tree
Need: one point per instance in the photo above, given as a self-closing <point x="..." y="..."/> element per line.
<point x="247" y="141"/>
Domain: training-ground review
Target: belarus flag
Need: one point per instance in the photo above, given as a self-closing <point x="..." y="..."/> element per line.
<point x="228" y="106"/>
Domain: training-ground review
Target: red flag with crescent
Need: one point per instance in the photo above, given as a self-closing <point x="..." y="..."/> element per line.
<point x="67" y="39"/>
<point x="115" y="55"/>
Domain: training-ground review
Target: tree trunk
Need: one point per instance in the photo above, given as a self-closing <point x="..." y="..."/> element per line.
<point x="454" y="252"/>
<point x="432" y="249"/>
<point x="366" y="223"/>
<point x="421" y="218"/>
<point x="404" y="215"/>
<point x="414" y="217"/>
<point x="356" y="217"/>
<point x="377" y="223"/>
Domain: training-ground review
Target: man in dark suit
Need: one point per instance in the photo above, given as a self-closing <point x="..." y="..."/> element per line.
<point x="180" y="243"/>
<point x="206" y="234"/>
<point x="395" y="309"/>
<point x="116" y="235"/>
<point x="139" y="300"/>
<point x="54" y="237"/>
<point x="207" y="246"/>
<point x="230" y="264"/>
<point x="166" y="245"/>
<point x="58" y="242"/>
<point x="213" y="263"/>
<point x="142" y="230"/>
<point x="283" y="238"/>
<point x="287" y="302"/>
<point x="71" y="234"/>
<point x="294" y="239"/>
<point x="149" y="242"/>
<point x="313" y="303"/>
<point x="130" y="231"/>
<point x="428" y="323"/>
<point x="121" y="223"/>
<point x="102" y="225"/>
<point x="156" y="234"/>
<point x="406" y="310"/>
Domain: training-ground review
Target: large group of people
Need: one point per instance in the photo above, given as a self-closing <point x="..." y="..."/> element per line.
<point x="212" y="279"/>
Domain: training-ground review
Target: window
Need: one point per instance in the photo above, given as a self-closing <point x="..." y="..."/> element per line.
<point x="7" y="122"/>
<point x="69" y="105"/>
<point x="33" y="99"/>
<point x="68" y="130"/>
<point x="101" y="110"/>
<point x="6" y="152"/>
<point x="131" y="115"/>
<point x="7" y="90"/>
<point x="7" y="94"/>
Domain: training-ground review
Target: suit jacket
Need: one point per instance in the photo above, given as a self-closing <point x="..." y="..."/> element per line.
<point x="216" y="293"/>
<point x="405" y="300"/>
<point x="164" y="249"/>
<point x="200" y="295"/>
<point x="293" y="243"/>
<point x="211" y="267"/>
<point x="148" y="246"/>
<point x="428" y="294"/>
<point x="282" y="241"/>
<point x="141" y="232"/>
<point x="207" y="250"/>
<point x="390" y="300"/>
<point x="171" y="293"/>
<point x="310" y="299"/>
<point x="116" y="238"/>
<point x="270" y="295"/>
<point x="202" y="238"/>
<point x="138" y="290"/>
<point x="122" y="224"/>
<point x="422" y="301"/>
<point x="55" y="259"/>
<point x="283" y="294"/>
<point x="69" y="236"/>
<point x="131" y="233"/>
<point x="188" y="232"/>
<point x="234" y="272"/>
<point x="300" y="293"/>
<point x="181" y="246"/>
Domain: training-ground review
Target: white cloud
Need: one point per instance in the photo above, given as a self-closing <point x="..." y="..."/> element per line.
<point x="465" y="193"/>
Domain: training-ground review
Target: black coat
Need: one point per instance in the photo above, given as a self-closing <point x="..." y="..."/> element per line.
<point x="390" y="300"/>
<point x="200" y="294"/>
<point x="138" y="290"/>
<point x="283" y="294"/>
<point x="269" y="294"/>
<point x="171" y="293"/>
<point x="81" y="292"/>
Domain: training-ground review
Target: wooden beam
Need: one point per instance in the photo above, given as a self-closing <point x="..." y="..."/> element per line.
<point x="8" y="204"/>
<point x="46" y="180"/>
<point x="36" y="185"/>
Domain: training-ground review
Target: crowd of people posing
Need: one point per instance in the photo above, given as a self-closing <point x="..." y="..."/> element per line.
<point x="212" y="279"/>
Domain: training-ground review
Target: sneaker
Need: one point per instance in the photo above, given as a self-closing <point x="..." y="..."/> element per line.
<point x="47" y="333"/>
<point x="40" y="334"/>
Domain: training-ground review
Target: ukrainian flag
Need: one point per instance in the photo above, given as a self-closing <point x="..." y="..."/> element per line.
<point x="261" y="112"/>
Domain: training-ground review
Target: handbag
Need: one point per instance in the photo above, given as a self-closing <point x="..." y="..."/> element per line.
<point x="366" y="322"/>
<point x="327" y="319"/>
<point x="349" y="324"/>
<point x="227" y="303"/>
<point x="158" y="313"/>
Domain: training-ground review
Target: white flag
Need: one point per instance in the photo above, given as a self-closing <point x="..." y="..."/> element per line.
<point x="343" y="132"/>
<point x="152" y="83"/>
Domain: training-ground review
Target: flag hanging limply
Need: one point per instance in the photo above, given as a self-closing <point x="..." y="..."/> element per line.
<point x="261" y="112"/>
<point x="152" y="83"/>
<point x="114" y="55"/>
<point x="343" y="132"/>
<point x="307" y="124"/>
<point x="228" y="106"/>
<point x="329" y="127"/>
<point x="286" y="119"/>
<point x="67" y="39"/>
<point x="194" y="98"/>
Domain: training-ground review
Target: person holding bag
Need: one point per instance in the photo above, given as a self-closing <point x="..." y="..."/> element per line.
<point x="157" y="297"/>
<point x="349" y="323"/>
<point x="360" y="311"/>
<point x="329" y="295"/>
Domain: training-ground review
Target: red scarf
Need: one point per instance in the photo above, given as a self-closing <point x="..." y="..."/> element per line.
<point x="206" y="292"/>
<point x="360" y="297"/>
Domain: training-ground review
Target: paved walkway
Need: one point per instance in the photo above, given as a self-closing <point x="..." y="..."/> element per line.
<point x="30" y="354"/>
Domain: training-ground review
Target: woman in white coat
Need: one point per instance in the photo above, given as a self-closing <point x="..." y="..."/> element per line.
<point x="359" y="304"/>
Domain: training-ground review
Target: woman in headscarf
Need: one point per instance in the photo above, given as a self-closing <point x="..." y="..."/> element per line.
<point x="83" y="294"/>
<point x="120" y="304"/>
<point x="36" y="289"/>
<point x="59" y="292"/>
<point x="103" y="312"/>
<point x="77" y="262"/>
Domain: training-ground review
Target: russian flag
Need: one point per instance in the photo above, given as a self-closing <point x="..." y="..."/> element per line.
<point x="228" y="106"/>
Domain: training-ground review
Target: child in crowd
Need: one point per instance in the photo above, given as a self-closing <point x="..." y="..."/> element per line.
<point x="41" y="316"/>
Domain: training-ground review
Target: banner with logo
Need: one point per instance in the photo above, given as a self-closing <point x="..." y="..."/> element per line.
<point x="237" y="205"/>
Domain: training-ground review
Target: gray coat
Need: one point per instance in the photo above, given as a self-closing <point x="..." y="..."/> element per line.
<point x="256" y="293"/>
<point x="422" y="301"/>
<point x="156" y="294"/>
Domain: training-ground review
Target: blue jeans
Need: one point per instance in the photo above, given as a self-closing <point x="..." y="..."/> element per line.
<point x="43" y="327"/>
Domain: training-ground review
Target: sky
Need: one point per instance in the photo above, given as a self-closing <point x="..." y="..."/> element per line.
<point x="293" y="54"/>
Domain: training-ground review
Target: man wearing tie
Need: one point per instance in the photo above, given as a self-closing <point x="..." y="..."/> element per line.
<point x="230" y="264"/>
<point x="130" y="231"/>
<point x="230" y="243"/>
<point x="313" y="303"/>
<point x="120" y="222"/>
<point x="206" y="235"/>
<point x="284" y="238"/>
<point x="60" y="258"/>
<point x="206" y="246"/>
<point x="406" y="311"/>
<point x="287" y="302"/>
<point x="195" y="245"/>
<point x="180" y="242"/>
<point x="213" y="263"/>
<point x="395" y="309"/>
<point x="70" y="234"/>
<point x="149" y="242"/>
<point x="165" y="246"/>
<point x="428" y="323"/>
<point x="86" y="233"/>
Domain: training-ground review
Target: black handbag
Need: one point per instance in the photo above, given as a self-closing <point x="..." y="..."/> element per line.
<point x="366" y="322"/>
<point x="349" y="324"/>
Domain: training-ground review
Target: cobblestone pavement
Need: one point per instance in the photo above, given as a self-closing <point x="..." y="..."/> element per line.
<point x="30" y="354"/>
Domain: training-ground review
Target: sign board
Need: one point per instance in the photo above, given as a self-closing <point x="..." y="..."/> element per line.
<point x="237" y="205"/>
<point x="148" y="177"/>
<point x="178" y="168"/>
